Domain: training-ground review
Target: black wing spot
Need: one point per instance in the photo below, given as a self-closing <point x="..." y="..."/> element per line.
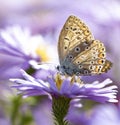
<point x="80" y="66"/>
<point x="70" y="57"/>
<point x="65" y="47"/>
<point x="66" y="38"/>
<point x="77" y="49"/>
<point x="86" y="72"/>
<point x="74" y="29"/>
<point x="66" y="28"/>
<point x="87" y="47"/>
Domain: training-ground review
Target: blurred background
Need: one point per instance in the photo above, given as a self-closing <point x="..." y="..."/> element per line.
<point x="36" y="25"/>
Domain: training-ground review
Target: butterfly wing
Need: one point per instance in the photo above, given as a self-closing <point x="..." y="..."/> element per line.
<point x="92" y="60"/>
<point x="73" y="33"/>
<point x="78" y="52"/>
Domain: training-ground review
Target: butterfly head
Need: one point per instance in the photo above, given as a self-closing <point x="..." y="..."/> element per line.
<point x="58" y="68"/>
<point x="61" y="69"/>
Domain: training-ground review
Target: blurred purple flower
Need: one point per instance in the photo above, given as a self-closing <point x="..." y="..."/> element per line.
<point x="41" y="113"/>
<point x="15" y="41"/>
<point x="18" y="49"/>
<point x="15" y="51"/>
<point x="56" y="85"/>
<point x="77" y="116"/>
<point x="37" y="13"/>
<point x="105" y="115"/>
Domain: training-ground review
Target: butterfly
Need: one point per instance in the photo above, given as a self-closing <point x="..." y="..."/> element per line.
<point x="79" y="53"/>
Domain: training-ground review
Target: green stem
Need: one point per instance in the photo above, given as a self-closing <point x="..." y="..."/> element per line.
<point x="16" y="116"/>
<point x="16" y="103"/>
<point x="60" y="107"/>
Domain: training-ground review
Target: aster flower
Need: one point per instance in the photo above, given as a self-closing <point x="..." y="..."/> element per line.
<point x="15" y="50"/>
<point x="18" y="48"/>
<point x="57" y="85"/>
<point x="63" y="89"/>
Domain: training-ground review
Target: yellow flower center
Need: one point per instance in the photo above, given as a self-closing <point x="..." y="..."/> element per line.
<point x="42" y="52"/>
<point x="59" y="80"/>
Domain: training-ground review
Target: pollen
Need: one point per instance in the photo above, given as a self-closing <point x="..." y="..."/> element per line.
<point x="59" y="81"/>
<point x="76" y="79"/>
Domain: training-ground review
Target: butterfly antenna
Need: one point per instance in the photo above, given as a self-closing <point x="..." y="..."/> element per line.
<point x="44" y="65"/>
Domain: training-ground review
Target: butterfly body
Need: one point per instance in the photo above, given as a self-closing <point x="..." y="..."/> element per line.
<point x="79" y="52"/>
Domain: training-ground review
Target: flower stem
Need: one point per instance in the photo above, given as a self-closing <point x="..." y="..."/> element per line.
<point x="60" y="107"/>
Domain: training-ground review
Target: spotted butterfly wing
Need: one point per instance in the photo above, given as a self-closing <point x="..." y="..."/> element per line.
<point x="78" y="52"/>
<point x="92" y="60"/>
<point x="74" y="32"/>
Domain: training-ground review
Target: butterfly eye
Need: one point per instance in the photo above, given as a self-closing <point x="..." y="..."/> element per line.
<point x="58" y="68"/>
<point x="77" y="49"/>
